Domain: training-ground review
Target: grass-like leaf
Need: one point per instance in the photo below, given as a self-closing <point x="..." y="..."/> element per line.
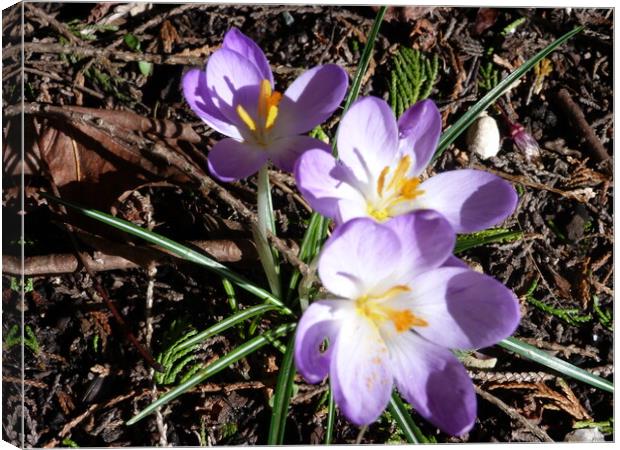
<point x="492" y="235"/>
<point x="405" y="422"/>
<point x="466" y="120"/>
<point x="331" y="418"/>
<point x="175" y="248"/>
<point x="365" y="59"/>
<point x="225" y="324"/>
<point x="266" y="222"/>
<point x="282" y="396"/>
<point x="309" y="248"/>
<point x="541" y="357"/>
<point x="242" y="351"/>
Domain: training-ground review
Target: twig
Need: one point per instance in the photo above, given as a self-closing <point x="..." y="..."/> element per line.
<point x="33" y="383"/>
<point x="577" y="118"/>
<point x="522" y="180"/>
<point x="290" y="191"/>
<point x="58" y="26"/>
<point x="88" y="51"/>
<point x="220" y="250"/>
<point x="79" y="419"/>
<point x="513" y="414"/>
<point x="57" y="77"/>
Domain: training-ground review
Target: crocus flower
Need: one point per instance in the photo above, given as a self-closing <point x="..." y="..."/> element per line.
<point x="378" y="174"/>
<point x="235" y="95"/>
<point x="399" y="302"/>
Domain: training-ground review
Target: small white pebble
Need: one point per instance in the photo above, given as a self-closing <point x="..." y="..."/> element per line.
<point x="483" y="137"/>
<point x="585" y="435"/>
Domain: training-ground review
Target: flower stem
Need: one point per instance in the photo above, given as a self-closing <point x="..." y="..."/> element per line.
<point x="267" y="255"/>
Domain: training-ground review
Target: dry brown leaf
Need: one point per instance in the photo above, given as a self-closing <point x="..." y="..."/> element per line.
<point x="135" y="122"/>
<point x="404" y="14"/>
<point x="169" y="36"/>
<point x="425" y="33"/>
<point x="485" y="19"/>
<point x="568" y="402"/>
<point x="561" y="283"/>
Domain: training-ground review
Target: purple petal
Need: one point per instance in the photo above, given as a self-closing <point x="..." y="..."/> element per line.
<point x="284" y="152"/>
<point x="471" y="200"/>
<point x="368" y="138"/>
<point x="229" y="71"/>
<point x="236" y="41"/>
<point x="419" y="129"/>
<point x="464" y="309"/>
<point x="427" y="240"/>
<point x="316" y="173"/>
<point x="360" y="373"/>
<point x="319" y="322"/>
<point x="434" y="382"/>
<point x="311" y="99"/>
<point x="231" y="160"/>
<point x="198" y="97"/>
<point x="358" y="258"/>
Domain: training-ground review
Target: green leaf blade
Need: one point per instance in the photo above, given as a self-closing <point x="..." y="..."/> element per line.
<point x="222" y="363"/>
<point x="405" y="421"/>
<point x="282" y="396"/>
<point x="175" y="248"/>
<point x="541" y="357"/>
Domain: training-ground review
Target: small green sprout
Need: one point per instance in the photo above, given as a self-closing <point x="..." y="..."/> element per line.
<point x="512" y="26"/>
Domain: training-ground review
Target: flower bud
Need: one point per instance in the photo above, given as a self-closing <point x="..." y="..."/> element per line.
<point x="525" y="142"/>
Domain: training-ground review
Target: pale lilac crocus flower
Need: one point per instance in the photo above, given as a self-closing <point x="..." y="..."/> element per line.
<point x="399" y="302"/>
<point x="378" y="174"/>
<point x="235" y="95"/>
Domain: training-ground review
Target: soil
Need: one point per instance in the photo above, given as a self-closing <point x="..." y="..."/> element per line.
<point x="84" y="377"/>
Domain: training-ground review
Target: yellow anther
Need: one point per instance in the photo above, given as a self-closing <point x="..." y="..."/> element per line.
<point x="243" y="114"/>
<point x="409" y="188"/>
<point x="391" y="292"/>
<point x="381" y="181"/>
<point x="263" y="98"/>
<point x="271" y="117"/>
<point x="404" y="320"/>
<point x="400" y="172"/>
<point x="399" y="189"/>
<point x="374" y="309"/>
<point x="267" y="112"/>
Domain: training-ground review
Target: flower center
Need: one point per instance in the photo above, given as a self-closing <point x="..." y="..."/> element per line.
<point x="398" y="189"/>
<point x="267" y="113"/>
<point x="374" y="309"/>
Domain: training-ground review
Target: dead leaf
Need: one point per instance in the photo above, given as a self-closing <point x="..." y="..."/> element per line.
<point x="169" y="36"/>
<point x="561" y="283"/>
<point x="404" y="14"/>
<point x="99" y="11"/>
<point x="135" y="122"/>
<point x="425" y="35"/>
<point x="485" y="19"/>
<point x="568" y="402"/>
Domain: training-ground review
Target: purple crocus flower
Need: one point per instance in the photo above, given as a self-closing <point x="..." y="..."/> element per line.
<point x="235" y="95"/>
<point x="378" y="174"/>
<point x="400" y="302"/>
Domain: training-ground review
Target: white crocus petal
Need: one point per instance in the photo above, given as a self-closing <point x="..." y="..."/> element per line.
<point x="360" y="374"/>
